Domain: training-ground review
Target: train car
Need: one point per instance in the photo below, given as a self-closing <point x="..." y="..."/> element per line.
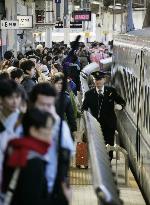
<point x="131" y="76"/>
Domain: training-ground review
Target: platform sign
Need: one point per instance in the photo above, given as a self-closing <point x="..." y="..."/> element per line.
<point x="9" y="24"/>
<point x="87" y="34"/>
<point x="25" y="22"/>
<point x="82" y="15"/>
<point x="57" y="1"/>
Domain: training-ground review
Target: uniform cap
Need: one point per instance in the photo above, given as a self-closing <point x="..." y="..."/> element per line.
<point x="99" y="74"/>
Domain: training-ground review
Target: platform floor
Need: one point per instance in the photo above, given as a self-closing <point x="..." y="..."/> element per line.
<point x="83" y="193"/>
<point x="82" y="188"/>
<point x="130" y="194"/>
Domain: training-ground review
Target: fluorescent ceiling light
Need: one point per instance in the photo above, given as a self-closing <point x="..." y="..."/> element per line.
<point x="97" y="3"/>
<point x="76" y="7"/>
<point x="139" y="9"/>
<point x="115" y="7"/>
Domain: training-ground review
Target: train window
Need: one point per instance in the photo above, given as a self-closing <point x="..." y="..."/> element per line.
<point x="126" y="84"/>
<point x="146" y="114"/>
<point x="136" y="82"/>
<point x="148" y="110"/>
<point x="131" y="83"/>
<point x="130" y="87"/>
<point x="135" y="58"/>
<point x="132" y="91"/>
<point x="145" y="108"/>
<point x="141" y="100"/>
<point x="134" y="94"/>
<point x="145" y="66"/>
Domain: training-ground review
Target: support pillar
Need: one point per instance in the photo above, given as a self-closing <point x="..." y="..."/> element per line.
<point x="130" y="24"/>
<point x="66" y="23"/>
<point x="34" y="21"/>
<point x="58" y="11"/>
<point x="114" y="15"/>
<point x="98" y="26"/>
<point x="11" y="35"/>
<point x="48" y="34"/>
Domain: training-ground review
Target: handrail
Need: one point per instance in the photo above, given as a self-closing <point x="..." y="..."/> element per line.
<point x="118" y="149"/>
<point x="103" y="181"/>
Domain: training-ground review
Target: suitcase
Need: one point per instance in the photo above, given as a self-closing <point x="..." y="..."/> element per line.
<point x="82" y="155"/>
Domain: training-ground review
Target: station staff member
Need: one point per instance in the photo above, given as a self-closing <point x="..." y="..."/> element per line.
<point x="101" y="101"/>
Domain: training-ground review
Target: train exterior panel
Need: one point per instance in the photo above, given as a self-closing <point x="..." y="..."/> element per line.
<point x="131" y="76"/>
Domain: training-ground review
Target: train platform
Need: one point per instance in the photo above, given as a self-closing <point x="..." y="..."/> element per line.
<point x="130" y="194"/>
<point x="82" y="186"/>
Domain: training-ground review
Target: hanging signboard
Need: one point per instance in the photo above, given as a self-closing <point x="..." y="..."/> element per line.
<point x="87" y="34"/>
<point x="9" y="24"/>
<point x="82" y="15"/>
<point x="25" y="22"/>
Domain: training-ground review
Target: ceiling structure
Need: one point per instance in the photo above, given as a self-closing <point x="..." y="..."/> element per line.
<point x="107" y="4"/>
<point x="95" y="4"/>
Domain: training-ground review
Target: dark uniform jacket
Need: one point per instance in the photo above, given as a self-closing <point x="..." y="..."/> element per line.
<point x="102" y="106"/>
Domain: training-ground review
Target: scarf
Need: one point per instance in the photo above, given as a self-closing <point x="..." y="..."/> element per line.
<point x="18" y="150"/>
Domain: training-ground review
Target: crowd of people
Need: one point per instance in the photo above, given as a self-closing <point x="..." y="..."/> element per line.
<point x="30" y="109"/>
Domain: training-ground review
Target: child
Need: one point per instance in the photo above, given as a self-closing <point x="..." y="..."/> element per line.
<point x="27" y="153"/>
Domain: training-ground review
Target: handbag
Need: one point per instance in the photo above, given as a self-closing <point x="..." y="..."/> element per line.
<point x="5" y="199"/>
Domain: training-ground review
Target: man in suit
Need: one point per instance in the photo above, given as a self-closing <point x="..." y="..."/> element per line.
<point x="101" y="101"/>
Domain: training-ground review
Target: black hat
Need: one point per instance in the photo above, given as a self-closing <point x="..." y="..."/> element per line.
<point x="99" y="74"/>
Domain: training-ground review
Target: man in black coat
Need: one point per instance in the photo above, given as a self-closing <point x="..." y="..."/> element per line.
<point x="28" y="81"/>
<point x="101" y="101"/>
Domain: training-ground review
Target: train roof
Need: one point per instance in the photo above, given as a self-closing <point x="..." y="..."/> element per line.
<point x="141" y="37"/>
<point x="141" y="32"/>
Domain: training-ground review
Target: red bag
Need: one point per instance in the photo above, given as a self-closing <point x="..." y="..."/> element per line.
<point x="82" y="154"/>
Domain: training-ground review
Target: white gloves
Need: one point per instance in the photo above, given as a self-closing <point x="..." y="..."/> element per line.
<point x="118" y="107"/>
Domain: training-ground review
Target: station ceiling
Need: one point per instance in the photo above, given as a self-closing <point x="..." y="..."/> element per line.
<point x="95" y="4"/>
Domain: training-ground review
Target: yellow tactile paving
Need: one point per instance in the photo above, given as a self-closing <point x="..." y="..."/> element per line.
<point x="80" y="176"/>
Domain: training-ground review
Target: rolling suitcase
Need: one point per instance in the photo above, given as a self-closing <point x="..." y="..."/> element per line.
<point x="82" y="155"/>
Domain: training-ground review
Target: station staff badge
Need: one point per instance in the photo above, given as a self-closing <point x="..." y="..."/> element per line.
<point x="97" y="74"/>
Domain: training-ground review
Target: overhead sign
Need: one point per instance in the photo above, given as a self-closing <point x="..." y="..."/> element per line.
<point x="9" y="24"/>
<point x="25" y="22"/>
<point x="82" y="15"/>
<point x="59" y="24"/>
<point x="57" y="1"/>
<point x="72" y="24"/>
<point x="75" y="24"/>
